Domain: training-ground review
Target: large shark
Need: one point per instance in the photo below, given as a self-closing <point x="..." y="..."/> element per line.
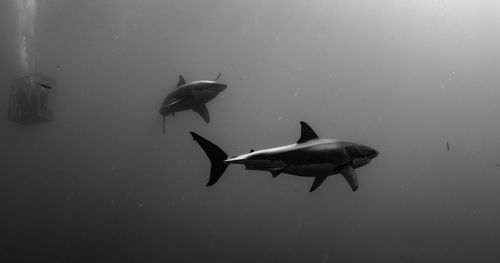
<point x="311" y="156"/>
<point x="191" y="96"/>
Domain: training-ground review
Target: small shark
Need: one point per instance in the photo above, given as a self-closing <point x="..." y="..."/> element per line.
<point x="191" y="96"/>
<point x="311" y="156"/>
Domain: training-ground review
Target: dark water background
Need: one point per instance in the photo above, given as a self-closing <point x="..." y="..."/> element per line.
<point x="103" y="184"/>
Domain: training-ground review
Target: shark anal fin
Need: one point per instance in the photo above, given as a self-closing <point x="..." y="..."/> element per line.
<point x="181" y="81"/>
<point x="350" y="176"/>
<point x="276" y="172"/>
<point x="317" y="182"/>
<point x="203" y="111"/>
<point x="306" y="133"/>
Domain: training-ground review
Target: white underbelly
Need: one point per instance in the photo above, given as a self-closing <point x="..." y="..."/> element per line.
<point x="311" y="170"/>
<point x="263" y="165"/>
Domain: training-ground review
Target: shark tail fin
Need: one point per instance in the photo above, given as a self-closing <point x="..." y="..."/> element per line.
<point x="216" y="156"/>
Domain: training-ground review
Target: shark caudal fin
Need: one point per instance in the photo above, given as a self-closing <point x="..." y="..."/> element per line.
<point x="216" y="156"/>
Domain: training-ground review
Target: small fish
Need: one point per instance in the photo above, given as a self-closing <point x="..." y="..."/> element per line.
<point x="44" y="86"/>
<point x="497" y="164"/>
<point x="447" y="146"/>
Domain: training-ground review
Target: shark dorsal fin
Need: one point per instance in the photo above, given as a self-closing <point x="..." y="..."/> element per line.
<point x="181" y="81"/>
<point x="306" y="133"/>
<point x="218" y="76"/>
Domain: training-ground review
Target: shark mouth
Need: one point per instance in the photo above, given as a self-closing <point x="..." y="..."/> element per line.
<point x="360" y="161"/>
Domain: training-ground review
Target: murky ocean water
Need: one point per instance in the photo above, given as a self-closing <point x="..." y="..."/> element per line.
<point x="102" y="183"/>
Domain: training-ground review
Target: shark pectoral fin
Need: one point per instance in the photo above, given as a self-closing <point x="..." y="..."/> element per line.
<point x="317" y="182"/>
<point x="350" y="176"/>
<point x="306" y="133"/>
<point x="181" y="81"/>
<point x="203" y="111"/>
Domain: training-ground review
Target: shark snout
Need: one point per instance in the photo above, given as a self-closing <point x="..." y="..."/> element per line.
<point x="362" y="151"/>
<point x="372" y="153"/>
<point x="219" y="87"/>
